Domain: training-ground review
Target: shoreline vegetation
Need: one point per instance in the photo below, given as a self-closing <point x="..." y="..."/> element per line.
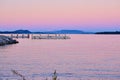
<point x="116" y="32"/>
<point x="4" y="40"/>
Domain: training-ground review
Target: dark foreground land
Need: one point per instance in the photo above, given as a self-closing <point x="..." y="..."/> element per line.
<point x="4" y="40"/>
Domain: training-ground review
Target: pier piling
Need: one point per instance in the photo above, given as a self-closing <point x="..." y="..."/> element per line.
<point x="40" y="36"/>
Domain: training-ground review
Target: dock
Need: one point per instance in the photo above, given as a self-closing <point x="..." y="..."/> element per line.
<point x="40" y="36"/>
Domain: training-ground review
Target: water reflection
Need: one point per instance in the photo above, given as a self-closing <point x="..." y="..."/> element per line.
<point x="82" y="57"/>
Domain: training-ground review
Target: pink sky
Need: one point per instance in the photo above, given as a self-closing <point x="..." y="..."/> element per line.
<point x="91" y="15"/>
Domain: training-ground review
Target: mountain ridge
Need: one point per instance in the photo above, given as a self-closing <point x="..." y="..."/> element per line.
<point x="45" y="32"/>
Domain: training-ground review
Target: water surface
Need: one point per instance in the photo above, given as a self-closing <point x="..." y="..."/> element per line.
<point x="85" y="57"/>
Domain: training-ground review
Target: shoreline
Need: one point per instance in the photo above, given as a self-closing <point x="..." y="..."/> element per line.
<point x="4" y="40"/>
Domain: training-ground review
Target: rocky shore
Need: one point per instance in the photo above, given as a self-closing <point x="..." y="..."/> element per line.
<point x="4" y="40"/>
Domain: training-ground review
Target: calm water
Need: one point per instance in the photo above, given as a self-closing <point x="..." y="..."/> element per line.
<point x="83" y="57"/>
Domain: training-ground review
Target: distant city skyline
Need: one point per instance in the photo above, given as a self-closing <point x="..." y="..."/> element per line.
<point x="49" y="15"/>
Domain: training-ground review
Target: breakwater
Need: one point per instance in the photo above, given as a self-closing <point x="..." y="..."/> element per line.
<point x="40" y="36"/>
<point x="4" y="40"/>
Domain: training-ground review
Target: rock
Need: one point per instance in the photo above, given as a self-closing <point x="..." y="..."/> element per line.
<point x="4" y="40"/>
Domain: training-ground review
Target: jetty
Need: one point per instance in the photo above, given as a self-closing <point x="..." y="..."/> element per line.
<point x="19" y="35"/>
<point x="4" y="40"/>
<point x="40" y="36"/>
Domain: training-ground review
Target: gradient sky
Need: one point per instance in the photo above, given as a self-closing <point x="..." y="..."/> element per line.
<point x="37" y="15"/>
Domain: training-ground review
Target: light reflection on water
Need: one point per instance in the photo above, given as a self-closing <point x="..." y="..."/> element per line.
<point x="94" y="57"/>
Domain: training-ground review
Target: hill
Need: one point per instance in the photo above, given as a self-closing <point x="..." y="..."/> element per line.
<point x="70" y="32"/>
<point x="16" y="32"/>
<point x="47" y="32"/>
<point x="64" y="32"/>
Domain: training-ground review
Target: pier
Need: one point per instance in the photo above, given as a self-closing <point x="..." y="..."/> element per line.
<point x="20" y="36"/>
<point x="40" y="36"/>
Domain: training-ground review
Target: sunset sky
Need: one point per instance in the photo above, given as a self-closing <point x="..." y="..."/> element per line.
<point x="45" y="15"/>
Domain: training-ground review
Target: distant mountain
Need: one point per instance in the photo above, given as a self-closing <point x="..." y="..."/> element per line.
<point x="64" y="32"/>
<point x="57" y="32"/>
<point x="22" y="31"/>
<point x="15" y="32"/>
<point x="43" y="32"/>
<point x="116" y="32"/>
<point x="70" y="32"/>
<point x="47" y="32"/>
